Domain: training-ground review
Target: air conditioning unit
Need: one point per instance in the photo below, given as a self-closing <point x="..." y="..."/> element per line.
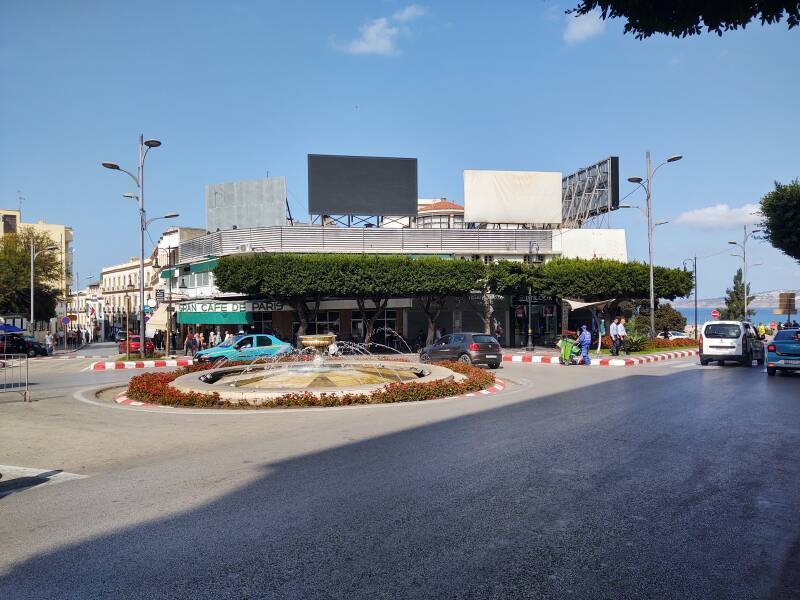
<point x="244" y="248"/>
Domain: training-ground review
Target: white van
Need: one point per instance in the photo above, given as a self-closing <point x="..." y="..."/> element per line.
<point x="730" y="341"/>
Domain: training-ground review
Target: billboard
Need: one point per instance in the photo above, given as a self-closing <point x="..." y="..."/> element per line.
<point x="362" y="185"/>
<point x="245" y="204"/>
<point x="512" y="197"/>
<point x="591" y="191"/>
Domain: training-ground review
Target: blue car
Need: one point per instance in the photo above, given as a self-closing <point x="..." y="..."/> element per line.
<point x="783" y="352"/>
<point x="245" y="347"/>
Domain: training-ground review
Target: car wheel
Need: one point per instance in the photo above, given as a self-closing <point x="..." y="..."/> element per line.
<point x="425" y="357"/>
<point x="703" y="362"/>
<point x="771" y="371"/>
<point x="31" y="353"/>
<point x="464" y="358"/>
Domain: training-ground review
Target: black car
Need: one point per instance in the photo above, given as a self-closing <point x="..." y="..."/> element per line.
<point x="12" y="343"/>
<point x="470" y="348"/>
<point x="34" y="347"/>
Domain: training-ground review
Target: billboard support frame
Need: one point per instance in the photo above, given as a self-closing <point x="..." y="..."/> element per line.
<point x="591" y="193"/>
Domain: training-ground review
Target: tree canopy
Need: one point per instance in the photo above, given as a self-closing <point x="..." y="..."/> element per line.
<point x="682" y="18"/>
<point x="734" y="300"/>
<point x="781" y="224"/>
<point x="15" y="274"/>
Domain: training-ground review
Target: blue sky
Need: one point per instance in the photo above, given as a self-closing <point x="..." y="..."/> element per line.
<point x="236" y="90"/>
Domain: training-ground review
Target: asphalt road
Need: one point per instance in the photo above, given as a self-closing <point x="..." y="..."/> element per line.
<point x="667" y="481"/>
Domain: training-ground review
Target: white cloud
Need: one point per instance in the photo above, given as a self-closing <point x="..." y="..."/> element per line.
<point x="584" y="27"/>
<point x="720" y="216"/>
<point x="379" y="36"/>
<point x="409" y="13"/>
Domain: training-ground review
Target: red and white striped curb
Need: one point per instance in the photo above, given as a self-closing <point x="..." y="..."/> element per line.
<point x="498" y="386"/>
<point x="140" y="364"/>
<point x="628" y="361"/>
<point x="62" y="357"/>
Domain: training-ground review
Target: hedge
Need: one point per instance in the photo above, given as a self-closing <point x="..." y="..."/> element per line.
<point x="155" y="388"/>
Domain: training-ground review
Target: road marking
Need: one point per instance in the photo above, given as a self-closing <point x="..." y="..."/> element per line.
<point x="19" y="479"/>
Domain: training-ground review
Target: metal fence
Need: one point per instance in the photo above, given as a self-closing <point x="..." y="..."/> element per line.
<point x="366" y="240"/>
<point x="14" y="375"/>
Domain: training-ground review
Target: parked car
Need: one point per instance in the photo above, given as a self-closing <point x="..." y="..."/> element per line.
<point x="120" y="336"/>
<point x="149" y="346"/>
<point x="245" y="347"/>
<point x="730" y="341"/>
<point x="34" y="347"/>
<point x="470" y="348"/>
<point x="13" y="343"/>
<point x="783" y="352"/>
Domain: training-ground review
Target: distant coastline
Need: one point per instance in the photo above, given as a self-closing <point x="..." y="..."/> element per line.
<point x="762" y="300"/>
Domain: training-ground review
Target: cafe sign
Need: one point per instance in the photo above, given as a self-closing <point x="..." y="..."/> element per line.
<point x="229" y="307"/>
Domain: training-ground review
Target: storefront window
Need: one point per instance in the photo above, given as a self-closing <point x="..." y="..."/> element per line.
<point x="388" y="320"/>
<point x="262" y="322"/>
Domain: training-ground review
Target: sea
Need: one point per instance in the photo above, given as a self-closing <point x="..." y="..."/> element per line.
<point x="763" y="315"/>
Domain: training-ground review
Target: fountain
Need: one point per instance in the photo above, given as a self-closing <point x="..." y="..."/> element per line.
<point x="330" y="371"/>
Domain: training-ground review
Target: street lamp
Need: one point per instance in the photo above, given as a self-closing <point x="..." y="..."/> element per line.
<point x="694" y="277"/>
<point x="743" y="256"/>
<point x="34" y="254"/>
<point x="648" y="188"/>
<point x="138" y="179"/>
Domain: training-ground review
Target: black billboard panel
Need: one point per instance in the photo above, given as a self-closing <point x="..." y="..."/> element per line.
<point x="362" y="185"/>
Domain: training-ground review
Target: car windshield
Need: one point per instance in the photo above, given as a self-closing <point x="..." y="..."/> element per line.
<point x="723" y="330"/>
<point x="788" y="334"/>
<point x="484" y="339"/>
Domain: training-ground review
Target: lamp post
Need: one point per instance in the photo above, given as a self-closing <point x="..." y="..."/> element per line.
<point x="743" y="256"/>
<point x="648" y="188"/>
<point x="694" y="277"/>
<point x="144" y="148"/>
<point x="34" y="254"/>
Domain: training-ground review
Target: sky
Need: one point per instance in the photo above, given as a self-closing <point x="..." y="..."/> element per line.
<point x="240" y="90"/>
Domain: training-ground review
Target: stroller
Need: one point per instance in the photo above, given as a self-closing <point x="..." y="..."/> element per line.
<point x="570" y="351"/>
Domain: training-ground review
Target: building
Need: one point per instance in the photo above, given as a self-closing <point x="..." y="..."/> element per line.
<point x="61" y="235"/>
<point x="119" y="287"/>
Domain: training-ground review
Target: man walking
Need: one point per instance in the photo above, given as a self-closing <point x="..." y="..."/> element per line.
<point x="613" y="331"/>
<point x="622" y="335"/>
<point x="585" y="342"/>
<point x="48" y="342"/>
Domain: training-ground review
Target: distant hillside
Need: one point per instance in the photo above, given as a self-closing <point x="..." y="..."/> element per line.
<point x="762" y="300"/>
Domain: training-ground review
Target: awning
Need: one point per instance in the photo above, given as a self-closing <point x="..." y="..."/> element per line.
<point x="158" y="320"/>
<point x="576" y="304"/>
<point x="166" y="273"/>
<point x="215" y="318"/>
<point x="203" y="267"/>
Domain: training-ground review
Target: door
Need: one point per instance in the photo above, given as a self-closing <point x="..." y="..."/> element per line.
<point x="439" y="348"/>
<point x="753" y="342"/>
<point x="455" y="347"/>
<point x="244" y="348"/>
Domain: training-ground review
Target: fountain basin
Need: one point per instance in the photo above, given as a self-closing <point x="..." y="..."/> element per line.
<point x="255" y="385"/>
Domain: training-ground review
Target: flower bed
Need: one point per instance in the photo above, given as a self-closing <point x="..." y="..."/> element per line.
<point x="657" y="343"/>
<point x="155" y="388"/>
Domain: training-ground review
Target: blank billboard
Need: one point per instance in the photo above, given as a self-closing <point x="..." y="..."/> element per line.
<point x="248" y="203"/>
<point x="512" y="197"/>
<point x="362" y="185"/>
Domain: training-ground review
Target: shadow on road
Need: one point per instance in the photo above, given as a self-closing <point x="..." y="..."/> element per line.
<point x="640" y="487"/>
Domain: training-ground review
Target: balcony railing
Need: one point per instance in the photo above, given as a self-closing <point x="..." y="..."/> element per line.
<point x="367" y="240"/>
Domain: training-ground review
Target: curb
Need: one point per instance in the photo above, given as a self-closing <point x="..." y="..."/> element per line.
<point x="631" y="361"/>
<point x="140" y="364"/>
<point x="62" y="357"/>
<point x="498" y="386"/>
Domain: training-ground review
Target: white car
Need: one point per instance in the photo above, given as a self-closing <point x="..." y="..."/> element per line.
<point x="730" y="341"/>
<point x="674" y="335"/>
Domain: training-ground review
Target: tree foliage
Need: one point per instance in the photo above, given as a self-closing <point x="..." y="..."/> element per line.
<point x="15" y="274"/>
<point x="734" y="301"/>
<point x="682" y="18"/>
<point x="667" y="318"/>
<point x="781" y="224"/>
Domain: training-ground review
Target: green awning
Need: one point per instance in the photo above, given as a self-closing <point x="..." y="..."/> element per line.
<point x="166" y="273"/>
<point x="215" y="318"/>
<point x="203" y="267"/>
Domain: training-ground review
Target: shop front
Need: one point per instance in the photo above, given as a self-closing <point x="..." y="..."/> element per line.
<point x="541" y="314"/>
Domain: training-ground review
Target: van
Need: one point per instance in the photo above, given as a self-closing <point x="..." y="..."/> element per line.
<point x="730" y="341"/>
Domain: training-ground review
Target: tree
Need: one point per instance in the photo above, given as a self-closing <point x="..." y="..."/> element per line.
<point x="502" y="278"/>
<point x="781" y="224"/>
<point x="734" y="301"/>
<point x="667" y="318"/>
<point x="682" y="18"/>
<point x="15" y="274"/>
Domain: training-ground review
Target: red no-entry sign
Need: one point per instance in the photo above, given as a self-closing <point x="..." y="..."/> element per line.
<point x="715" y="314"/>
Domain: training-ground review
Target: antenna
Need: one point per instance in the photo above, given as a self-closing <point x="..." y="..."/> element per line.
<point x="20" y="198"/>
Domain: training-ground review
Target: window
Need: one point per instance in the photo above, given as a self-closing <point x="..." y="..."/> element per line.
<point x="444" y="340"/>
<point x="262" y="341"/>
<point x="787" y="334"/>
<point x="457" y="339"/>
<point x="327" y="322"/>
<point x="722" y="331"/>
<point x="262" y="322"/>
<point x="245" y="342"/>
<point x="484" y="339"/>
<point x="388" y="320"/>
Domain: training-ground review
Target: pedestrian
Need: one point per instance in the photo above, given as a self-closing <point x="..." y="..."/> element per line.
<point x="614" y="332"/>
<point x="188" y="342"/>
<point x="498" y="332"/>
<point x="195" y="345"/>
<point x="585" y="342"/>
<point x="762" y="331"/>
<point x="201" y="340"/>
<point x="228" y="335"/>
<point x="623" y="336"/>
<point x="48" y="342"/>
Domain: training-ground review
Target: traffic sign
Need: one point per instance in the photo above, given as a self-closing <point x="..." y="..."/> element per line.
<point x="65" y="321"/>
<point x="152" y="303"/>
<point x="160" y="295"/>
<point x="715" y="314"/>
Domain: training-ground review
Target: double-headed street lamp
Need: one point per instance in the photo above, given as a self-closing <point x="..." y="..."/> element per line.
<point x="648" y="188"/>
<point x="34" y="254"/>
<point x="743" y="256"/>
<point x="138" y="179"/>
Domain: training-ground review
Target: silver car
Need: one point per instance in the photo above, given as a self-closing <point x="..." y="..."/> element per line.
<point x="470" y="348"/>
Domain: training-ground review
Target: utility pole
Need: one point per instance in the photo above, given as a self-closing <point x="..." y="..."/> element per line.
<point x="650" y="241"/>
